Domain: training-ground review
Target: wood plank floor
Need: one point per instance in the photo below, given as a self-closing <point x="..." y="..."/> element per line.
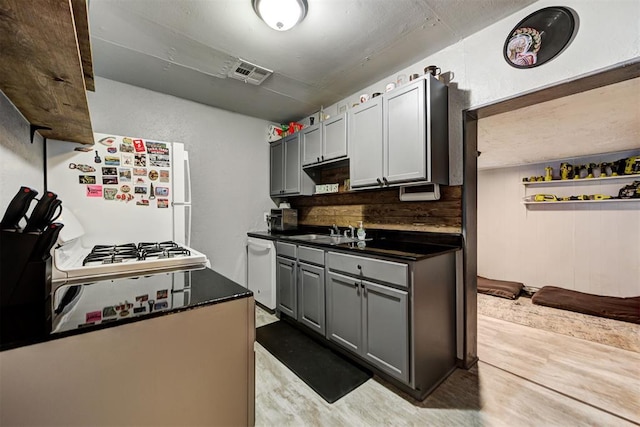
<point x="582" y="383"/>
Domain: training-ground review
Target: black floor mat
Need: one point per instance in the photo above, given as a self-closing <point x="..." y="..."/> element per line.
<point x="329" y="374"/>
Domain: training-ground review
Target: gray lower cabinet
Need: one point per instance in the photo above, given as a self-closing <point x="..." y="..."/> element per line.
<point x="344" y="311"/>
<point x="371" y="320"/>
<point x="311" y="296"/>
<point x="286" y="295"/>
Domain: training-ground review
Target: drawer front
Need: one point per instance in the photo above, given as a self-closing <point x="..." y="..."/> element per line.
<point x="376" y="269"/>
<point x="286" y="249"/>
<point x="311" y="255"/>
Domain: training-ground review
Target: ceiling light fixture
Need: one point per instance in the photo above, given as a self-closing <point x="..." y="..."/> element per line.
<point x="281" y="15"/>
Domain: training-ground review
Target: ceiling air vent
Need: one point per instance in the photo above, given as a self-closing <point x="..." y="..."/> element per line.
<point x="249" y="73"/>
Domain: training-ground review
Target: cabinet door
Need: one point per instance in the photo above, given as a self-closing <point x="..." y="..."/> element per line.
<point x="292" y="168"/>
<point x="334" y="137"/>
<point x="344" y="318"/>
<point x="405" y="134"/>
<point x="386" y="329"/>
<point x="311" y="297"/>
<point x="311" y="140"/>
<point x="365" y="143"/>
<point x="286" y="297"/>
<point x="276" y="183"/>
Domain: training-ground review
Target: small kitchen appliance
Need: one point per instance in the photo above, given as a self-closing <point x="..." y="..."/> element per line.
<point x="284" y="219"/>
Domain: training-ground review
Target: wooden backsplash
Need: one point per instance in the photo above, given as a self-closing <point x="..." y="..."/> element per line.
<point x="378" y="209"/>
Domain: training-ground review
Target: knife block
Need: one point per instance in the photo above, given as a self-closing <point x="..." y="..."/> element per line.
<point x="25" y="288"/>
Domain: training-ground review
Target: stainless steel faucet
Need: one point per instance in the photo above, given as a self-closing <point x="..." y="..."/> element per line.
<point x="351" y="231"/>
<point x="335" y="231"/>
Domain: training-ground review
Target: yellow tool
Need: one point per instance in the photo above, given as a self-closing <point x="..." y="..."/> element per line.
<point x="545" y="198"/>
<point x="548" y="173"/>
<point x="599" y="197"/>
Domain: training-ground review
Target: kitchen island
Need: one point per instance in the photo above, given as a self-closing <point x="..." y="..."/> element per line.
<point x="188" y="363"/>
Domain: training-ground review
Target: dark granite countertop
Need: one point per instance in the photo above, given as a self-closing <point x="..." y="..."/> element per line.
<point x="406" y="246"/>
<point x="110" y="303"/>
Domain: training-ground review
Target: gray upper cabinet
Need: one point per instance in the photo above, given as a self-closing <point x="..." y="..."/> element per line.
<point x="311" y="140"/>
<point x="276" y="180"/>
<point x="334" y="137"/>
<point x="286" y="177"/>
<point x="325" y="141"/>
<point x="401" y="137"/>
<point x="365" y="140"/>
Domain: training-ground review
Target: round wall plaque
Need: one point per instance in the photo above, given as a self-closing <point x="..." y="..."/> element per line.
<point x="539" y="37"/>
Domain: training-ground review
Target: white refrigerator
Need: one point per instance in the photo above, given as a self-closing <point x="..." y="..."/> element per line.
<point x="123" y="189"/>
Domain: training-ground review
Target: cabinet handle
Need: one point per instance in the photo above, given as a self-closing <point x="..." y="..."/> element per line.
<point x="356" y="284"/>
<point x="385" y="180"/>
<point x="359" y="267"/>
<point x="322" y="158"/>
<point x="318" y="159"/>
<point x="379" y="182"/>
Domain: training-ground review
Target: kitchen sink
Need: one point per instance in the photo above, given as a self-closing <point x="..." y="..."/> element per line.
<point x="323" y="238"/>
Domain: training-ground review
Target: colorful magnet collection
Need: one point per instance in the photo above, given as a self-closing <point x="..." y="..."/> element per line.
<point x="126" y="172"/>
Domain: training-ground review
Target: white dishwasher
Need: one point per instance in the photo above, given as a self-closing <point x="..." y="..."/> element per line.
<point x="261" y="271"/>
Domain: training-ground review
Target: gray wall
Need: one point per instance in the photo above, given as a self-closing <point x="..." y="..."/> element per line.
<point x="229" y="163"/>
<point x="21" y="163"/>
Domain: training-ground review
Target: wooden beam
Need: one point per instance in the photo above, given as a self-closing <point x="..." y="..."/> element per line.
<point x="40" y="68"/>
<point x="81" y="19"/>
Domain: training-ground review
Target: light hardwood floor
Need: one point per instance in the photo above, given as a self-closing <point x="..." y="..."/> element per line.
<point x="525" y="377"/>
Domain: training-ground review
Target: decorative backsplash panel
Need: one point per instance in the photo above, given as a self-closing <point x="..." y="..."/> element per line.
<point x="378" y="209"/>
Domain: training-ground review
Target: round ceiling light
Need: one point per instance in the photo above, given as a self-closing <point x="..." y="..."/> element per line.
<point x="281" y="15"/>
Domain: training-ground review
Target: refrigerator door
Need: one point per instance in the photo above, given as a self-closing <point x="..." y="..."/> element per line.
<point x="120" y="191"/>
<point x="181" y="196"/>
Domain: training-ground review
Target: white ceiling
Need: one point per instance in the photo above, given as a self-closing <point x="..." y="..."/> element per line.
<point x="183" y="47"/>
<point x="602" y="120"/>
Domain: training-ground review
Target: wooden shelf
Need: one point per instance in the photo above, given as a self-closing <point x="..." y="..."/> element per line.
<point x="579" y="181"/>
<point x="42" y="71"/>
<point x="566" y="202"/>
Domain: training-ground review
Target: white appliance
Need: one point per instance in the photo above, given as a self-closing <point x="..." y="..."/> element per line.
<point x="132" y="196"/>
<point x="261" y="271"/>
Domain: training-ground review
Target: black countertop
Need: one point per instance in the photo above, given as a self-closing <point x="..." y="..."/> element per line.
<point x="110" y="303"/>
<point x="406" y="246"/>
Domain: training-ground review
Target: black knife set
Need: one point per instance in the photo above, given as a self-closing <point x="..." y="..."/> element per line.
<point x="25" y="264"/>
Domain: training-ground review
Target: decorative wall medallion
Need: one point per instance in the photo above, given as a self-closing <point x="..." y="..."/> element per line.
<point x="540" y="37"/>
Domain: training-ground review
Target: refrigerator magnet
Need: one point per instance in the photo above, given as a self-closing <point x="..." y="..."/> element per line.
<point x="109" y="171"/>
<point x="108" y="141"/>
<point x="87" y="179"/>
<point x="162" y="191"/>
<point x="151" y="302"/>
<point x="138" y="146"/>
<point x="124" y="313"/>
<point x="142" y="202"/>
<point x="112" y="150"/>
<point x="109" y="311"/>
<point x="142" y="298"/>
<point x="162" y="294"/>
<point x="164" y="176"/>
<point x="125" y="188"/>
<point x="139" y="171"/>
<point x="157" y="148"/>
<point x="81" y="167"/>
<point x="153" y="174"/>
<point x="161" y="305"/>
<point x="159" y="160"/>
<point x="140" y="160"/>
<point x="93" y="316"/>
<point x="140" y="181"/>
<point x="112" y="160"/>
<point x="109" y="180"/>
<point x="125" y="175"/>
<point x="140" y="190"/>
<point x="94" y="191"/>
<point x="139" y="310"/>
<point x="127" y="159"/>
<point x="127" y="145"/>
<point x="109" y="193"/>
<point x="163" y="203"/>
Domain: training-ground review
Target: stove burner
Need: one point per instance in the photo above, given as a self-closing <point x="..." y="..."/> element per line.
<point x="110" y="254"/>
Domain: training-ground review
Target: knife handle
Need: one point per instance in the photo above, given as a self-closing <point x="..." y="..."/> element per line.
<point x="17" y="208"/>
<point x="38" y="218"/>
<point x="45" y="242"/>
